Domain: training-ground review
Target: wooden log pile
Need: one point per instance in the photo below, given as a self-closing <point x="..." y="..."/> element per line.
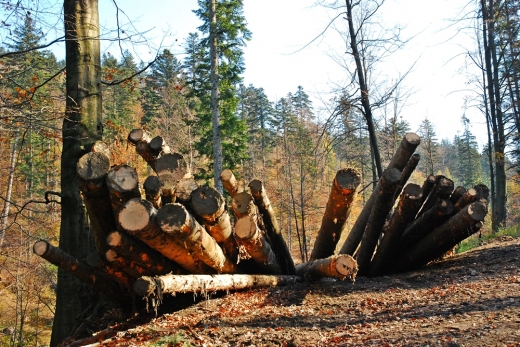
<point x="165" y="234"/>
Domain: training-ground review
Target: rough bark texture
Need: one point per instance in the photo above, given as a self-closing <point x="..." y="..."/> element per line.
<point x="137" y="217"/>
<point x="92" y="169"/>
<point x="466" y="198"/>
<point x="407" y="172"/>
<point x="171" y="284"/>
<point x="152" y="189"/>
<point x="340" y="266"/>
<point x="272" y="228"/>
<point x="387" y="251"/>
<point x="177" y="222"/>
<point x="441" y="190"/>
<point x="343" y="192"/>
<point x="457" y="193"/>
<point x="399" y="160"/>
<point x="123" y="185"/>
<point x="142" y="254"/>
<point x="252" y="240"/>
<point x="82" y="126"/>
<point x="128" y="266"/>
<point x="229" y="182"/>
<point x="382" y="206"/>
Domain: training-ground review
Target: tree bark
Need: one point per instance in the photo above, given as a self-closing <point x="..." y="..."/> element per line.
<point x="340" y="266"/>
<point x="152" y="189"/>
<point x="457" y="193"/>
<point x="145" y="256"/>
<point x="159" y="146"/>
<point x="183" y="190"/>
<point x="388" y="250"/>
<point x="99" y="263"/>
<point x="7" y="202"/>
<point x="456" y="229"/>
<point x="399" y="160"/>
<point x="130" y="267"/>
<point x="407" y="172"/>
<point x="138" y="218"/>
<point x="382" y="206"/>
<point x="466" y="198"/>
<point x="441" y="190"/>
<point x="251" y="238"/>
<point x="170" y="169"/>
<point x="342" y="194"/>
<point x="141" y="140"/>
<point x="274" y="232"/>
<point x="123" y="185"/>
<point x="229" y="182"/>
<point x="171" y="284"/>
<point x="174" y="220"/>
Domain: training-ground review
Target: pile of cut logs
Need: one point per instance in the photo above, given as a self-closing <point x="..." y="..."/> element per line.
<point x="179" y="237"/>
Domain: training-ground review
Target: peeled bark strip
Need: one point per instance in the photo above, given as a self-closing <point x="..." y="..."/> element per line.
<point x="250" y="237"/>
<point x="274" y="232"/>
<point x="123" y="184"/>
<point x="155" y="287"/>
<point x="143" y="255"/>
<point x="387" y="251"/>
<point x="138" y="218"/>
<point x="92" y="169"/>
<point x="382" y="205"/>
<point x="426" y="222"/>
<point x="456" y="229"/>
<point x="130" y="267"/>
<point x="152" y="189"/>
<point x="159" y="146"/>
<point x="399" y="160"/>
<point x="343" y="192"/>
<point x="229" y="182"/>
<point x="66" y="262"/>
<point x="174" y="220"/>
<point x="210" y="206"/>
<point x="340" y="266"/>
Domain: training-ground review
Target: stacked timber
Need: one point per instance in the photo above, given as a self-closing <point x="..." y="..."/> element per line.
<point x="166" y="234"/>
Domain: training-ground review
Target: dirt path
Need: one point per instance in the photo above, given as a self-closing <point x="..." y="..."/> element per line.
<point x="472" y="299"/>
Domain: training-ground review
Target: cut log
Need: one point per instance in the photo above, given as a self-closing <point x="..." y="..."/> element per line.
<point x="138" y="218"/>
<point x="172" y="284"/>
<point x="426" y="222"/>
<point x="457" y="193"/>
<point x="251" y="238"/>
<point x="399" y="160"/>
<point x="171" y="168"/>
<point x="482" y="191"/>
<point x="388" y="250"/>
<point x="210" y="207"/>
<point x="229" y="182"/>
<point x="442" y="189"/>
<point x="130" y="267"/>
<point x="243" y="204"/>
<point x="92" y="169"/>
<point x="100" y="147"/>
<point x="138" y="135"/>
<point x="407" y="172"/>
<point x="466" y="198"/>
<point x="274" y="232"/>
<point x="445" y="236"/>
<point x="99" y="263"/>
<point x="123" y="185"/>
<point x="66" y="262"/>
<point x="141" y="140"/>
<point x="142" y="254"/>
<point x="177" y="222"/>
<point x="343" y="192"/>
<point x="340" y="266"/>
<point x="159" y="146"/>
<point x="382" y="205"/>
<point x="185" y="187"/>
<point x="152" y="188"/>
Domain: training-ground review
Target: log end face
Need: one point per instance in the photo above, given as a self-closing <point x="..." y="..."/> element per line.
<point x="477" y="211"/>
<point x="412" y="139"/>
<point x="256" y="187"/>
<point x="114" y="238"/>
<point x="207" y="201"/>
<point x="122" y="178"/>
<point x="145" y="286"/>
<point x="245" y="228"/>
<point x="348" y="179"/>
<point x="135" y="214"/>
<point x="173" y="218"/>
<point x="93" y="166"/>
<point x="41" y="247"/>
<point x="138" y="135"/>
<point x="346" y="266"/>
<point x="227" y="175"/>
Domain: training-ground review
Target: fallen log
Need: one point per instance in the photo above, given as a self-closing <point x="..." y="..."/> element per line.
<point x="142" y="254"/>
<point x="443" y="237"/>
<point x="407" y="172"/>
<point x="92" y="170"/>
<point x="344" y="190"/>
<point x="185" y="187"/>
<point x="177" y="222"/>
<point x="382" y="205"/>
<point x="274" y="232"/>
<point x="170" y="169"/>
<point x="123" y="185"/>
<point x="138" y="218"/>
<point x="243" y="204"/>
<point x="229" y="182"/>
<point x="399" y="160"/>
<point x="457" y="193"/>
<point x="141" y="140"/>
<point x="159" y="146"/>
<point x="442" y="189"/>
<point x="340" y="266"/>
<point x="99" y="263"/>
<point x="100" y="147"/>
<point x="210" y="207"/>
<point x="66" y="262"/>
<point x="388" y="250"/>
<point x="155" y="287"/>
<point x="152" y="189"/>
<point x="251" y="238"/>
<point x="128" y="266"/>
<point x="466" y="198"/>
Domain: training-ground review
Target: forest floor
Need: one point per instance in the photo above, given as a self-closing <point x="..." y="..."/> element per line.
<point x="470" y="299"/>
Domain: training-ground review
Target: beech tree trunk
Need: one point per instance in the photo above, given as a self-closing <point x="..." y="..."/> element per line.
<point x="340" y="266"/>
<point x="399" y="160"/>
<point x="343" y="192"/>
<point x="138" y="218"/>
<point x="174" y="220"/>
<point x="273" y="230"/>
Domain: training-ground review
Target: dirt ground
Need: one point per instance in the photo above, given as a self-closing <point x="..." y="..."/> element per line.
<point x="471" y="299"/>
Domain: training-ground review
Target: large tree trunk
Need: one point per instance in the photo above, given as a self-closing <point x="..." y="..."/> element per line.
<point x="399" y="161"/>
<point x="343" y="192"/>
<point x="82" y="126"/>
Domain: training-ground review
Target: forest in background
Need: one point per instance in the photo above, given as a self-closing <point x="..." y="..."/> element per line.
<point x="285" y="143"/>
